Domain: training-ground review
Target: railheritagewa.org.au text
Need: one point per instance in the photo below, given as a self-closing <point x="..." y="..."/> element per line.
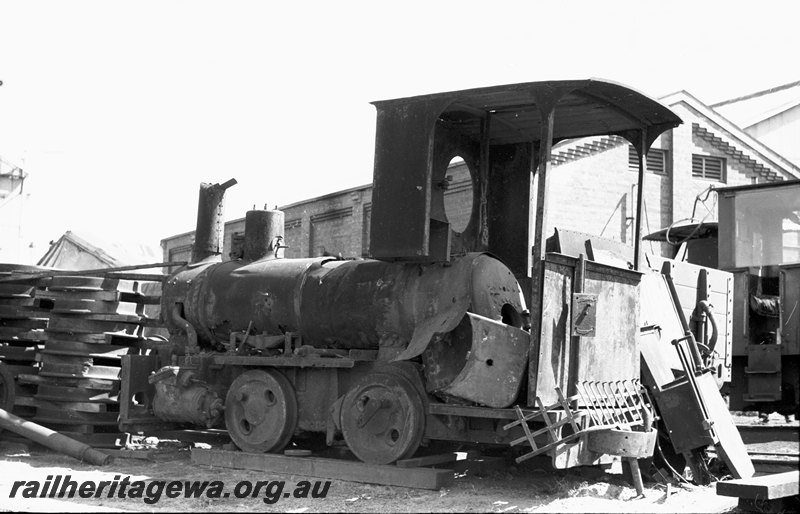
<point x="152" y="491"/>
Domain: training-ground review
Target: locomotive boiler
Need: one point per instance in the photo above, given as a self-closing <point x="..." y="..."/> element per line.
<point x="441" y="335"/>
<point x="335" y="319"/>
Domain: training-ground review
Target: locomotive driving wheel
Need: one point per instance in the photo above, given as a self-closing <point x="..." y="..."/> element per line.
<point x="382" y="417"/>
<point x="261" y="411"/>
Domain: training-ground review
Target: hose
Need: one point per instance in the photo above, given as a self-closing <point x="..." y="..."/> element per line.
<point x="706" y="308"/>
<point x="669" y="466"/>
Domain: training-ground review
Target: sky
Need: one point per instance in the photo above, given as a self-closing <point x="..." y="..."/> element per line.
<point x="117" y="111"/>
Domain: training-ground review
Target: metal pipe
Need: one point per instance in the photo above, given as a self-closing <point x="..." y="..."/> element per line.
<point x="706" y="308"/>
<point x="209" y="231"/>
<point x="636" y="474"/>
<point x="191" y="333"/>
<point x="641" y="150"/>
<point x="17" y="275"/>
<point x="53" y="440"/>
<point x="666" y="271"/>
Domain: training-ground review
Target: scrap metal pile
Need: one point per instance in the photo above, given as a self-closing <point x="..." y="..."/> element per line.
<point x="22" y="321"/>
<point x="71" y="331"/>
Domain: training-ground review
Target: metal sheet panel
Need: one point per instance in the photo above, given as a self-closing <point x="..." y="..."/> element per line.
<point x="790" y="309"/>
<point x="402" y="180"/>
<point x="550" y="364"/>
<point x="611" y="354"/>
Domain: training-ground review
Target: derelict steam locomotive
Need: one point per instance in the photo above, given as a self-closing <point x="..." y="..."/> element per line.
<point x="440" y="335"/>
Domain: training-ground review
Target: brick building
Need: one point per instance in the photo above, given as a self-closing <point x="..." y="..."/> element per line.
<point x="592" y="188"/>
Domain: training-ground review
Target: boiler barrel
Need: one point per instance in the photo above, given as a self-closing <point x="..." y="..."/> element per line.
<point x="336" y="303"/>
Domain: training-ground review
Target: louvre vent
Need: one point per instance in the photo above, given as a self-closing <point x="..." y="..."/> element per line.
<point x="707" y="167"/>
<point x="656" y="160"/>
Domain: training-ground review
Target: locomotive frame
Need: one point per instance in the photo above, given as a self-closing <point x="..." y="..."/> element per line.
<point x="431" y="339"/>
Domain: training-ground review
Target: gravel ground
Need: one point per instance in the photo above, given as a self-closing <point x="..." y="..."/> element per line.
<point x="529" y="487"/>
<point x="512" y="489"/>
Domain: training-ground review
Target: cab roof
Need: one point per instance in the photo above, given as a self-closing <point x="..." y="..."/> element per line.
<point x="583" y="108"/>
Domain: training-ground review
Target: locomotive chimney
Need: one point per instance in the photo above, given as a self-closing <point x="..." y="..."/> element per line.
<point x="209" y="233"/>
<point x="262" y="228"/>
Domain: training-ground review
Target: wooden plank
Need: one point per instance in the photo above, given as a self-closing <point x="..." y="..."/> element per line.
<point x="151" y="455"/>
<point x="75" y="394"/>
<point x="448" y="409"/>
<point x="79" y="306"/>
<point x="68" y="417"/>
<point x="101" y="440"/>
<point x="767" y="487"/>
<point x="428" y="460"/>
<point x="116" y="318"/>
<point x="210" y="436"/>
<point x="333" y="469"/>
<point x="766" y="433"/>
<point x="140" y="298"/>
<point x="18" y="369"/>
<point x="103" y="296"/>
<point x="87" y="407"/>
<point x="100" y="384"/>
<point x="19" y="353"/>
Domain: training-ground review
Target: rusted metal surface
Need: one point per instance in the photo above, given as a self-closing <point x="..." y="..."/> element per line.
<point x="22" y="317"/>
<point x="208" y="234"/>
<point x="383" y="416"/>
<point x="261" y="411"/>
<point x="7" y="389"/>
<point x="263" y="234"/>
<point x="625" y="443"/>
<point x="92" y="321"/>
<point x="584" y="319"/>
<point x="495" y="356"/>
<point x="394" y="307"/>
<point x="183" y="398"/>
<point x="561" y="360"/>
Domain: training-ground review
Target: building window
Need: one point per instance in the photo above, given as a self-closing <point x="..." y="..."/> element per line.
<point x="707" y="167"/>
<point x="656" y="160"/>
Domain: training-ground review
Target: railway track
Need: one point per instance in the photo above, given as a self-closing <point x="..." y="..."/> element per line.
<point x="765" y="433"/>
<point x="773" y="447"/>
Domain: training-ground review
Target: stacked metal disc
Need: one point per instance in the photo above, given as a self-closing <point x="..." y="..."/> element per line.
<point x="92" y="323"/>
<point x="23" y="319"/>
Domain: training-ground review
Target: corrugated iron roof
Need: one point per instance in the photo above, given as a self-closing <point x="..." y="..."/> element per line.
<point x="751" y="109"/>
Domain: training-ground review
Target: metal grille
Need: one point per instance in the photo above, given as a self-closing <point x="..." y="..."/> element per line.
<point x="608" y="404"/>
<point x="621" y="402"/>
